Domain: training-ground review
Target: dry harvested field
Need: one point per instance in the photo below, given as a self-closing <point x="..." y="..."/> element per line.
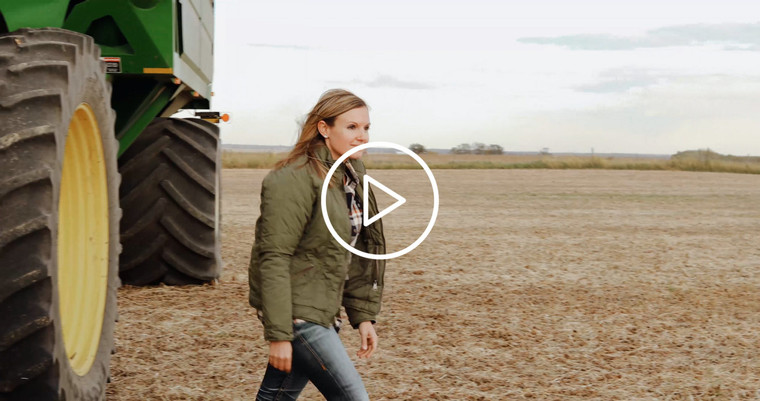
<point x="534" y="284"/>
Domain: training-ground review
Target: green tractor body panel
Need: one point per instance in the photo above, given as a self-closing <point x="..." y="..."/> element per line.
<point x="141" y="39"/>
<point x="33" y="13"/>
<point x="158" y="53"/>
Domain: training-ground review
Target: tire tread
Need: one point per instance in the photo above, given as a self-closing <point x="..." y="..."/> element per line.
<point x="169" y="192"/>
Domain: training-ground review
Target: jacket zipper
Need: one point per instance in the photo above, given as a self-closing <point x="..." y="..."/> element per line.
<point x="373" y="205"/>
<point x="377" y="273"/>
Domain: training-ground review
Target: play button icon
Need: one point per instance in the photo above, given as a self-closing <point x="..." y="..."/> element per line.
<point x="400" y="200"/>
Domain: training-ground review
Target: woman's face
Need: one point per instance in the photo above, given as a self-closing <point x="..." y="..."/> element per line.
<point x="350" y="130"/>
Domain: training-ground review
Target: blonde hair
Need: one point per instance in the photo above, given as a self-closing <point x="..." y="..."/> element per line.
<point x="330" y="105"/>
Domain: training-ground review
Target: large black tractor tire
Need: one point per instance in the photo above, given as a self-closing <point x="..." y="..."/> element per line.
<point x="59" y="217"/>
<point x="170" y="194"/>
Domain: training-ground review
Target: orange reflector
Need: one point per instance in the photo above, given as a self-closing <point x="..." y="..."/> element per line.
<point x="177" y="81"/>
<point x="157" y="71"/>
<point x="225" y="117"/>
<point x="196" y="94"/>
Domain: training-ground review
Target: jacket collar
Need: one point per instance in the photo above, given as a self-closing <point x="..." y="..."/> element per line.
<point x="325" y="156"/>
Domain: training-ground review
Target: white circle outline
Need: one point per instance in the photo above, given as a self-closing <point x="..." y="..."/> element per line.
<point x="326" y="216"/>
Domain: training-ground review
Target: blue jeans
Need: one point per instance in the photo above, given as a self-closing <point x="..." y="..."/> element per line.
<point x="319" y="356"/>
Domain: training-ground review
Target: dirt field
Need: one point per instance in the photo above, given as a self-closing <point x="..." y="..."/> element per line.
<point x="534" y="284"/>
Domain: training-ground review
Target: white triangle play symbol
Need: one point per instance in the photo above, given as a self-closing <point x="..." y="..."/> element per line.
<point x="400" y="200"/>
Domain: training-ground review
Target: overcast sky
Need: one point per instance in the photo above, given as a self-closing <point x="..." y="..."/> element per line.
<point x="617" y="76"/>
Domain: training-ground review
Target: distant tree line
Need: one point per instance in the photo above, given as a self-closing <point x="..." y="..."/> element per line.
<point x="417" y="148"/>
<point x="477" y="148"/>
<point x="707" y="155"/>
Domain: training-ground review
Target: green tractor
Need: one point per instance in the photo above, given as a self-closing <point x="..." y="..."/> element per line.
<point x="98" y="184"/>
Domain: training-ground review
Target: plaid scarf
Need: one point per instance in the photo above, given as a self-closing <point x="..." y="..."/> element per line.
<point x="350" y="181"/>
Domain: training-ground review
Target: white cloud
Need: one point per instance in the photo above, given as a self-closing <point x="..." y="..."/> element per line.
<point x="732" y="35"/>
<point x="387" y="81"/>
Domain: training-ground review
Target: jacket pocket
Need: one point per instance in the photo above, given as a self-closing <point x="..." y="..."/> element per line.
<point x="310" y="286"/>
<point x="301" y="272"/>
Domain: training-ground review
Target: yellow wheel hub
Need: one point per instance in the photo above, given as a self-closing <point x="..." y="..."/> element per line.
<point x="83" y="240"/>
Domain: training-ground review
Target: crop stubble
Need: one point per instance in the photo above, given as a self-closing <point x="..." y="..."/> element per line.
<point x="539" y="284"/>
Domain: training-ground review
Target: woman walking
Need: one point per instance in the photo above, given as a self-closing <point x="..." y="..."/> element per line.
<point x="300" y="275"/>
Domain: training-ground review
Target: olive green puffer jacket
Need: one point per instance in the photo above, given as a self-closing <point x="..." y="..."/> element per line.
<point x="298" y="270"/>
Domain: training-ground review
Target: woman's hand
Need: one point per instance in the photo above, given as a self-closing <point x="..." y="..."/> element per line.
<point x="281" y="355"/>
<point x="369" y="339"/>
